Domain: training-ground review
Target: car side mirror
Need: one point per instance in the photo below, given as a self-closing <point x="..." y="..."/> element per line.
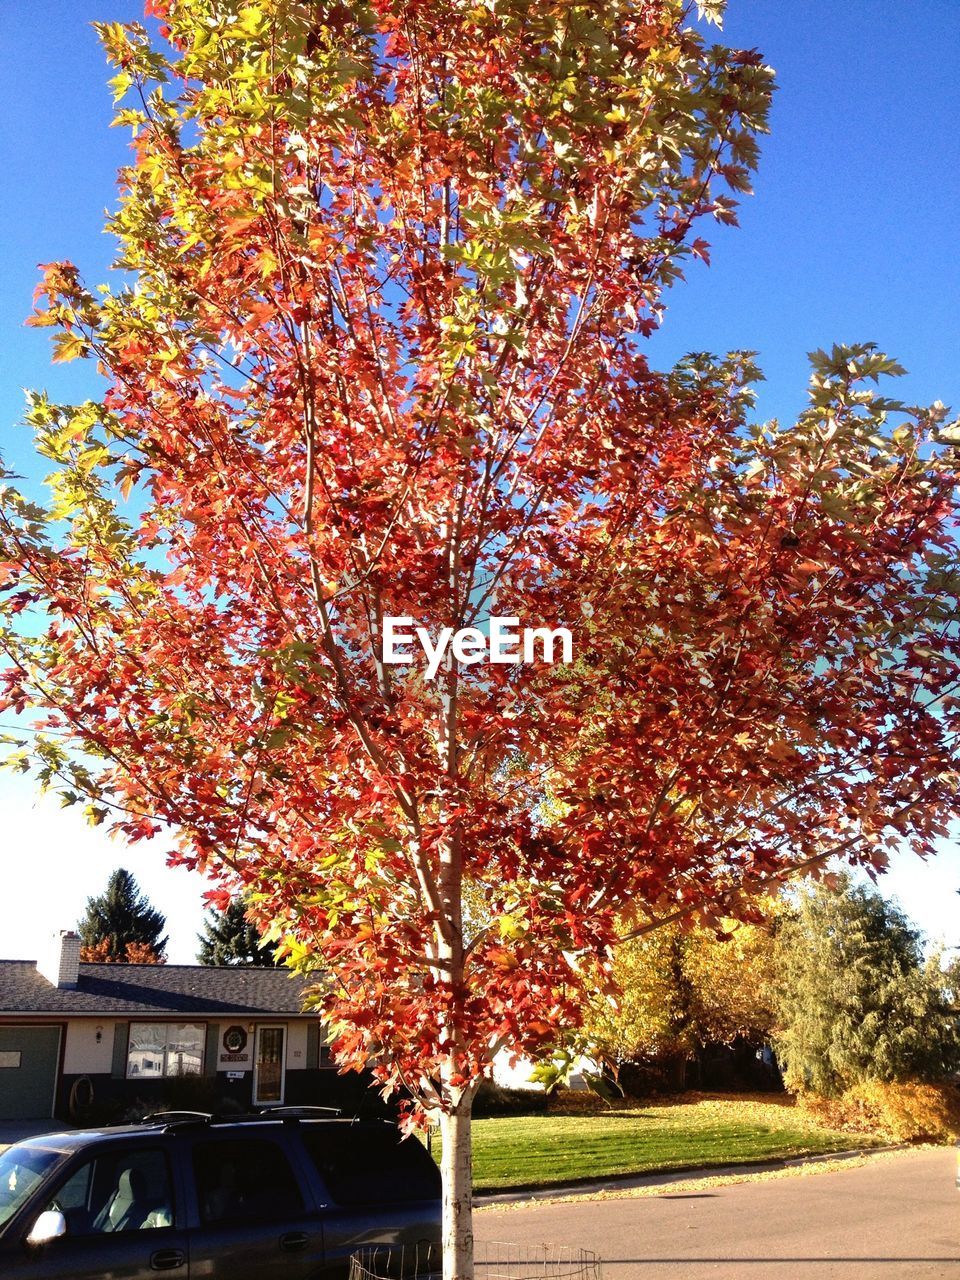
<point x="49" y="1226"/>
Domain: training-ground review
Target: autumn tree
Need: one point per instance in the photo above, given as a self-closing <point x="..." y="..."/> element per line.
<point x="120" y="926"/>
<point x="856" y="1000"/>
<point x="231" y="938"/>
<point x="377" y="353"/>
<point x="678" y="991"/>
<point x="133" y="953"/>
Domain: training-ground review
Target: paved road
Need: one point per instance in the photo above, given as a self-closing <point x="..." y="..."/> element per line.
<point x="897" y="1216"/>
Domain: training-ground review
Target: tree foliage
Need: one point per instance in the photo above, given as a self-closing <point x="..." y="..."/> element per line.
<point x="678" y="991"/>
<point x="377" y="351"/>
<point x="856" y="1001"/>
<point x="231" y="938"/>
<point x="120" y="926"/>
<point x="133" y="953"/>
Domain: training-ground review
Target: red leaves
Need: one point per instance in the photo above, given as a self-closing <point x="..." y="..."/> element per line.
<point x="218" y="899"/>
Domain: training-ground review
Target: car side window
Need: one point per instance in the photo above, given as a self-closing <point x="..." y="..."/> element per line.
<point x="244" y="1180"/>
<point x="117" y="1191"/>
<point x="372" y="1166"/>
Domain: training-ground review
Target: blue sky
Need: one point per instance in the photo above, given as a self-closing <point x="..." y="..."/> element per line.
<point x="852" y="236"/>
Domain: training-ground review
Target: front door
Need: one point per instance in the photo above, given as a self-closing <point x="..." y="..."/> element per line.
<point x="268" y="1067"/>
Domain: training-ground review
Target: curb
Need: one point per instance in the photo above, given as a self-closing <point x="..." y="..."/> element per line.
<point x="585" y="1188"/>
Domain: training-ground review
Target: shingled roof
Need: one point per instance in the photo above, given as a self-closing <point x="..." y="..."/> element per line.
<point x="124" y="989"/>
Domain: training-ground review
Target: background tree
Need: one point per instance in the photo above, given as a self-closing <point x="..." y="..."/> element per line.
<point x="120" y="926"/>
<point x="133" y="953"/>
<point x="682" y="991"/>
<point x="378" y="352"/>
<point x="855" y="999"/>
<point x="230" y="937"/>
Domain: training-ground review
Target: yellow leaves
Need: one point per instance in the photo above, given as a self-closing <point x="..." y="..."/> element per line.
<point x="67" y="347"/>
<point x="252" y="20"/>
<point x="115" y="39"/>
<point x="293" y="952"/>
<point x="678" y="989"/>
<point x="92" y="458"/>
<point x="511" y="927"/>
<point x="41" y="320"/>
<point x="120" y="85"/>
<point x="268" y="264"/>
<point x="129" y="116"/>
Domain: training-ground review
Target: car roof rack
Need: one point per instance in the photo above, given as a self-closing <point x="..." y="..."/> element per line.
<point x="167" y="1119"/>
<point x="298" y="1113"/>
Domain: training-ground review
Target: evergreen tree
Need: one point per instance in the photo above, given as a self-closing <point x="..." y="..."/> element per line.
<point x="229" y="938"/>
<point x="119" y="917"/>
<point x="855" y="1000"/>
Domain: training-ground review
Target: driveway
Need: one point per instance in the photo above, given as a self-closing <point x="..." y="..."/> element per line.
<point x="896" y="1216"/>
<point x="16" y="1130"/>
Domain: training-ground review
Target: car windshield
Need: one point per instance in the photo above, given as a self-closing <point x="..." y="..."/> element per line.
<point x="21" y="1169"/>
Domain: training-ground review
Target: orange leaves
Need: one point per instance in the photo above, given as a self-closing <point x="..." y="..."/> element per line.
<point x="134" y="953"/>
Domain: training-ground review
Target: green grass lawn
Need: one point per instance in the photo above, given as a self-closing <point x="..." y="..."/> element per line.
<point x="514" y="1151"/>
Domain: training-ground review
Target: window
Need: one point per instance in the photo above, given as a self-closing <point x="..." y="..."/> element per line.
<point x="372" y="1166"/>
<point x="158" y="1049"/>
<point x="244" y="1180"/>
<point x="21" y="1168"/>
<point x="123" y="1191"/>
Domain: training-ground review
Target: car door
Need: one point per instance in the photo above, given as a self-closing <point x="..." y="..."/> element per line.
<point x="251" y="1218"/>
<point x="121" y="1215"/>
<point x="376" y="1189"/>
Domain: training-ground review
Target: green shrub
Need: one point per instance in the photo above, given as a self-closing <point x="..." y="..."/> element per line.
<point x="495" y="1100"/>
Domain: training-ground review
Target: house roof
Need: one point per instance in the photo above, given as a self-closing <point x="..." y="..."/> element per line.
<point x="160" y="989"/>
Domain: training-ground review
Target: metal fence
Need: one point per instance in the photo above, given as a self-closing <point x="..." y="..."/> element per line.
<point x="493" y="1260"/>
<point x="387" y="1261"/>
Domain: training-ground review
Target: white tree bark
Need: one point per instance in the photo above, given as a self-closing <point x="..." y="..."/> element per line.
<point x="456" y="1166"/>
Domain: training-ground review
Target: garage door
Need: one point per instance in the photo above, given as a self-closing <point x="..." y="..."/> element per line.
<point x="28" y="1071"/>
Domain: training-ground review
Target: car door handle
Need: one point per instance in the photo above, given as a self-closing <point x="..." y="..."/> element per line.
<point x="294" y="1240"/>
<point x="167" y="1259"/>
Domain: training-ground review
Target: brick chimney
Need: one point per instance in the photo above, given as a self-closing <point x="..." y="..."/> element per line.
<point x="61" y="965"/>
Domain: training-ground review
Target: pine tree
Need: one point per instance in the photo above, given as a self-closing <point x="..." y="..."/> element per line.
<point x="119" y="917"/>
<point x="855" y="999"/>
<point x="229" y="938"/>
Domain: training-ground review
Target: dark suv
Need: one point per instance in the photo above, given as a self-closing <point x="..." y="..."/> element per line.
<point x="264" y="1197"/>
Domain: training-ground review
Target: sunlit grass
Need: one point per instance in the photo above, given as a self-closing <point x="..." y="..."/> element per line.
<point x="517" y="1151"/>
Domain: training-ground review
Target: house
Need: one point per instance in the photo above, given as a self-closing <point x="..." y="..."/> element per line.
<point x="82" y="1041"/>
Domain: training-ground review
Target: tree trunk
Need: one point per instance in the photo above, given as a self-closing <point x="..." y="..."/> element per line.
<point x="456" y="1166"/>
